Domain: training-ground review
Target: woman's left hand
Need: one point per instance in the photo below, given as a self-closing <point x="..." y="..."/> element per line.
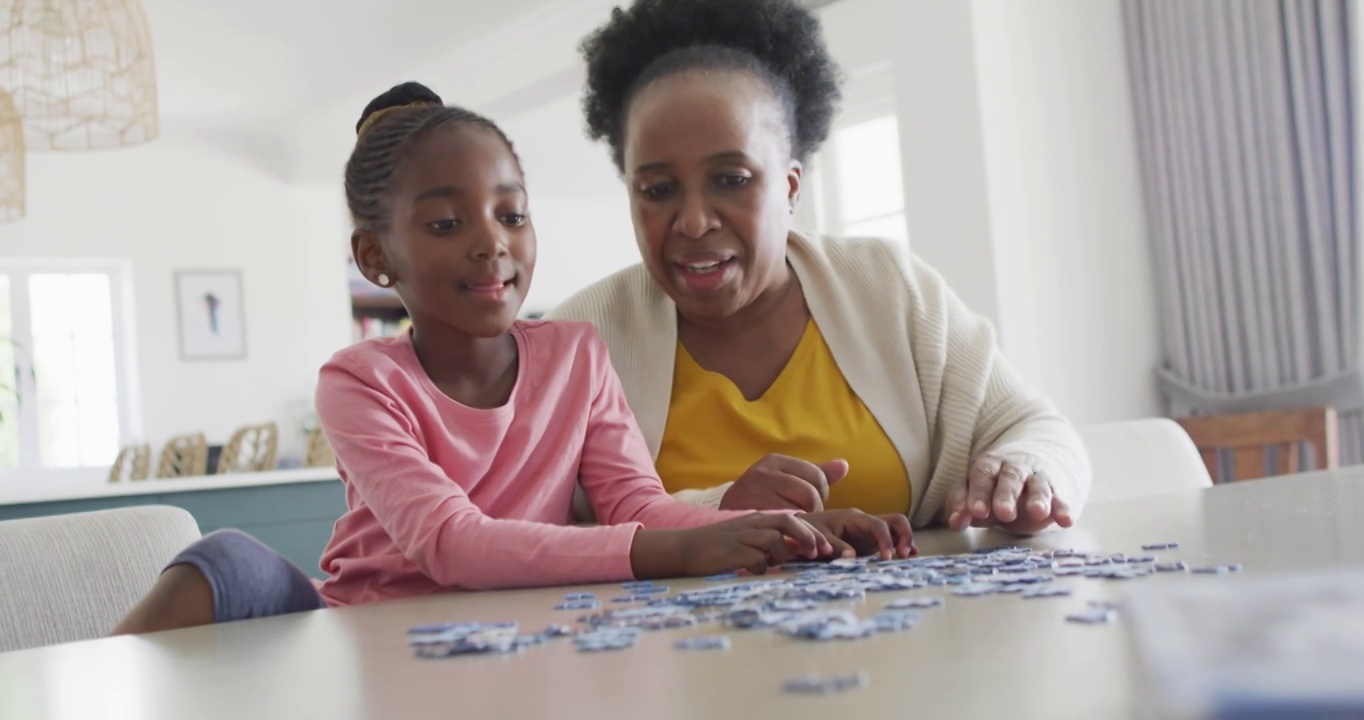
<point x="999" y="491"/>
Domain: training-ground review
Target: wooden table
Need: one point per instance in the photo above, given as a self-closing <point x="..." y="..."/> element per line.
<point x="992" y="657"/>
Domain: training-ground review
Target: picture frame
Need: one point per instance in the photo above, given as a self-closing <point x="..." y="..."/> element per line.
<point x="210" y="314"/>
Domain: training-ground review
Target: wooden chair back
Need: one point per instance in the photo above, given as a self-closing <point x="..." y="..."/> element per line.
<point x="133" y="463"/>
<point x="251" y="449"/>
<point x="184" y="456"/>
<point x="1248" y="435"/>
<point x="320" y="452"/>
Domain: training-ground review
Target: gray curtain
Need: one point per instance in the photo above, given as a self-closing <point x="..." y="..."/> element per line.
<point x="1245" y="121"/>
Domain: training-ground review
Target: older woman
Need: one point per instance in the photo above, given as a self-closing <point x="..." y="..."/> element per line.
<point x="768" y="368"/>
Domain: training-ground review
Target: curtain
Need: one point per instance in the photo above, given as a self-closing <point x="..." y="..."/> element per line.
<point x="1245" y="123"/>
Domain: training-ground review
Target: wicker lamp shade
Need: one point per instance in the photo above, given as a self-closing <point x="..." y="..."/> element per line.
<point x="81" y="72"/>
<point x="11" y="161"/>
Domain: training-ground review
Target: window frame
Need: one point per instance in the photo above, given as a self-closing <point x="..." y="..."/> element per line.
<point x="868" y="95"/>
<point x="25" y="386"/>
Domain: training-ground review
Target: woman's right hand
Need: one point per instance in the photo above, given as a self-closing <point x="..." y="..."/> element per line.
<point x="753" y="543"/>
<point x="780" y="482"/>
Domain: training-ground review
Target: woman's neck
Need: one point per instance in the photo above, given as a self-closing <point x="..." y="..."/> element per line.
<point x="475" y="371"/>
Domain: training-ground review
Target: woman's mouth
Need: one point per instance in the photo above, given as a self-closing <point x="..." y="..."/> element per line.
<point x="703" y="274"/>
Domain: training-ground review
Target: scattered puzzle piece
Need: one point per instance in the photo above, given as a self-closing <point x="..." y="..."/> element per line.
<point x="578" y="605"/>
<point x="795" y="603"/>
<point x="812" y="685"/>
<point x="715" y="642"/>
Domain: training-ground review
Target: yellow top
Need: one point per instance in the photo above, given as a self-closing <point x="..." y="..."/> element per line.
<point x="714" y="434"/>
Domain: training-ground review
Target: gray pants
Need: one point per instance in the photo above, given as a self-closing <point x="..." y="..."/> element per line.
<point x="249" y="580"/>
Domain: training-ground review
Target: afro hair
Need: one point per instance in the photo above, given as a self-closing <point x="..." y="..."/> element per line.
<point x="778" y="39"/>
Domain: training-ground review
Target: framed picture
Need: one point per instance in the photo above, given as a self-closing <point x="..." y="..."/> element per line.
<point x="209" y="308"/>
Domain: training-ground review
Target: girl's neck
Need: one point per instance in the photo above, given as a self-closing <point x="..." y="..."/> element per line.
<point x="479" y="372"/>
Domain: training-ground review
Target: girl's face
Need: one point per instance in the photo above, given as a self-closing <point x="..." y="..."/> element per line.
<point x="460" y="247"/>
<point x="712" y="183"/>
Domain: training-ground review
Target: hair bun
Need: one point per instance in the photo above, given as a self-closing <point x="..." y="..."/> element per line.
<point x="408" y="93"/>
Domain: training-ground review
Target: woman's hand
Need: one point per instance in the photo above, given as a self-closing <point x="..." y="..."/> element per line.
<point x="999" y="491"/>
<point x="853" y="533"/>
<point x="779" y="482"/>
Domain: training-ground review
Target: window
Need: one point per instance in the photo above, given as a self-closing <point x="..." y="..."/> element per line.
<point x="866" y="187"/>
<point x="64" y="395"/>
<point x="857" y="179"/>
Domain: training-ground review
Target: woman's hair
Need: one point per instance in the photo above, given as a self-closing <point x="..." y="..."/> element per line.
<point x="390" y="126"/>
<point x="778" y="40"/>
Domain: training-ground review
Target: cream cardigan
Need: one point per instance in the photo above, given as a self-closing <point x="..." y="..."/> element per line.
<point x="926" y="367"/>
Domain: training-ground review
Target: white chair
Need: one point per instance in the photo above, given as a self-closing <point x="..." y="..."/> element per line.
<point x="66" y="578"/>
<point x="1138" y="458"/>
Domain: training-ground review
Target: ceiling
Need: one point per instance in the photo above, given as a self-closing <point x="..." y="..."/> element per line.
<point x="253" y="60"/>
<point x="279" y="83"/>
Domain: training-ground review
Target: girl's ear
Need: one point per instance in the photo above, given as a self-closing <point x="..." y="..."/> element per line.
<point x="369" y="257"/>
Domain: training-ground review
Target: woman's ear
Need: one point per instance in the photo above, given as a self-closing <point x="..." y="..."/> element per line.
<point x="793" y="178"/>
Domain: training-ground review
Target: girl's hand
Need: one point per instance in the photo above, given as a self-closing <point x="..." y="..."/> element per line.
<point x="754" y="543"/>
<point x="853" y="533"/>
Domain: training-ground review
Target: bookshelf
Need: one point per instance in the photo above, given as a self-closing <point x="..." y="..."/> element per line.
<point x="377" y="315"/>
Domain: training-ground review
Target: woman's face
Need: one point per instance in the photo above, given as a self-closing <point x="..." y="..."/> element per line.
<point x="707" y="159"/>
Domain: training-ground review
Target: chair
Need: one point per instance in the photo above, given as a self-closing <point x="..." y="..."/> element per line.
<point x="251" y="449"/>
<point x="73" y="577"/>
<point x="1138" y="458"/>
<point x="133" y="462"/>
<point x="320" y="453"/>
<point x="184" y="456"/>
<point x="1247" y="436"/>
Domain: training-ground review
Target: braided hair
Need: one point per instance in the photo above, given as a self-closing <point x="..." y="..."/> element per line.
<point x="389" y="128"/>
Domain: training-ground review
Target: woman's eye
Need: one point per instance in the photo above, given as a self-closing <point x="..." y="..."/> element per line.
<point x="514" y="219"/>
<point x="659" y="191"/>
<point x="734" y="180"/>
<point x="446" y="225"/>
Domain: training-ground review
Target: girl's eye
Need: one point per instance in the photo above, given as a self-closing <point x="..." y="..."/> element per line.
<point x="734" y="180"/>
<point x="446" y="225"/>
<point x="514" y="219"/>
<point x="659" y="191"/>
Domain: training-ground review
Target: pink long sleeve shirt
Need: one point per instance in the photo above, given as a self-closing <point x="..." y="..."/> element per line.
<point x="443" y="496"/>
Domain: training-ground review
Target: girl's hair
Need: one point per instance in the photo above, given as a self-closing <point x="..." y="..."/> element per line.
<point x="389" y="128"/>
<point x="777" y="40"/>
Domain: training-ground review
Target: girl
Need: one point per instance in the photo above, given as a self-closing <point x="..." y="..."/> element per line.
<point x="461" y="442"/>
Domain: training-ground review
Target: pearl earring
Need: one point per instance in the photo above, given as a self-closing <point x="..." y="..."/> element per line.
<point x="384" y="280"/>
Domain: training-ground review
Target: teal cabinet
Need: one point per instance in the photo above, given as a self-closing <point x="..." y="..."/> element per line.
<point x="295" y="519"/>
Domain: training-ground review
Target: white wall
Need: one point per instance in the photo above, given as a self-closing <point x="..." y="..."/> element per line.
<point x="1076" y="279"/>
<point x="1021" y="181"/>
<point x="177" y="203"/>
<point x="578" y="202"/>
<point x="491" y="74"/>
<point x="929" y="45"/>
